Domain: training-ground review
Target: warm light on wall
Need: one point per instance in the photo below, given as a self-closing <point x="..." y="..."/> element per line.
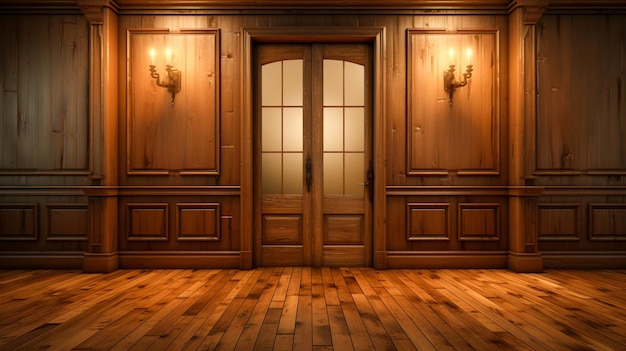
<point x="172" y="81"/>
<point x="450" y="84"/>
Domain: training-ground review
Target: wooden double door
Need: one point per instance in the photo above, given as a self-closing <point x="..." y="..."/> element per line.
<point x="313" y="154"/>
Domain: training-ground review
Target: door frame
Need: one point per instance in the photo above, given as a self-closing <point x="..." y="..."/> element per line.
<point x="373" y="35"/>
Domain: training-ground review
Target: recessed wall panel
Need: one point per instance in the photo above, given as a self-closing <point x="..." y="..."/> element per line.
<point x="458" y="133"/>
<point x="18" y="222"/>
<point x="607" y="221"/>
<point x="479" y="222"/>
<point x="558" y="222"/>
<point x="198" y="222"/>
<point x="147" y="222"/>
<point x="67" y="222"/>
<point x="428" y="221"/>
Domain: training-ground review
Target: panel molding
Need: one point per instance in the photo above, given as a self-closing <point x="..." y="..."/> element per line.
<point x="607" y="221"/>
<point x="67" y="222"/>
<point x="147" y="222"/>
<point x="479" y="222"/>
<point x="420" y="223"/>
<point x="198" y="221"/>
<point x="435" y="121"/>
<point x="19" y="221"/>
<point x="555" y="219"/>
<point x="183" y="138"/>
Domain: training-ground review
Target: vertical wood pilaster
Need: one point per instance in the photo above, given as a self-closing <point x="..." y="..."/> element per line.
<point x="103" y="103"/>
<point x="523" y="198"/>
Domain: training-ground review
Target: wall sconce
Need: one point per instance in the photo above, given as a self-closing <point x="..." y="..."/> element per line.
<point x="450" y="84"/>
<point x="172" y="81"/>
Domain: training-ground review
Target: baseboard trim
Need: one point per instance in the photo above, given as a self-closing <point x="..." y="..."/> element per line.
<point x="179" y="259"/>
<point x="41" y="260"/>
<point x="446" y="259"/>
<point x="101" y="263"/>
<point x="525" y="262"/>
<point x="585" y="260"/>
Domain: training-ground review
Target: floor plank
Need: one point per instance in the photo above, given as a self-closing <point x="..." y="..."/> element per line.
<point x="296" y="308"/>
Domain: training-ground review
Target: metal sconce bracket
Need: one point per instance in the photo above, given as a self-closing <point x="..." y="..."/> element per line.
<point x="450" y="84"/>
<point x="172" y="81"/>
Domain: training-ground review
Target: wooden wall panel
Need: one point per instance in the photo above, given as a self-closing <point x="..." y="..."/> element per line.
<point x="607" y="221"/>
<point x="198" y="221"/>
<point x="18" y="222"/>
<point x="44" y="121"/>
<point x="147" y="222"/>
<point x="67" y="222"/>
<point x="581" y="81"/>
<point x="428" y="221"/>
<point x="559" y="222"/>
<point x="183" y="137"/>
<point x="479" y="221"/>
<point x="462" y="134"/>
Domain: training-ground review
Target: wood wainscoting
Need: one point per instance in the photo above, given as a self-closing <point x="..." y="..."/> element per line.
<point x="312" y="308"/>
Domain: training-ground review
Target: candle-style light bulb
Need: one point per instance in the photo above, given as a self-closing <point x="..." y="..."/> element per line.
<point x="168" y="54"/>
<point x="469" y="57"/>
<point x="152" y="53"/>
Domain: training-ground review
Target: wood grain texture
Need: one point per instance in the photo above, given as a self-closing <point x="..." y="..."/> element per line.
<point x="312" y="308"/>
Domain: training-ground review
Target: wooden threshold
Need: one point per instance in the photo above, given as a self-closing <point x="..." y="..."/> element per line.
<point x="312" y="309"/>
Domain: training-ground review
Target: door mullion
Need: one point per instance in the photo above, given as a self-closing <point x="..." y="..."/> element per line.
<point x="317" y="156"/>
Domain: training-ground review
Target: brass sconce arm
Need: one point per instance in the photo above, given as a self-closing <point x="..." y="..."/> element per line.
<point x="171" y="82"/>
<point x="450" y="84"/>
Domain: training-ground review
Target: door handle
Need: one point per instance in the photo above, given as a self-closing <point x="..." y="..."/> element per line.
<point x="309" y="168"/>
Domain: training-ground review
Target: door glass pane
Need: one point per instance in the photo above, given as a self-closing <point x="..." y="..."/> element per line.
<point x="333" y="173"/>
<point x="333" y="129"/>
<point x="282" y="127"/>
<point x="354" y="84"/>
<point x="271" y="88"/>
<point x="292" y="83"/>
<point x="271" y="173"/>
<point x="270" y="124"/>
<point x="333" y="83"/>
<point x="355" y="128"/>
<point x="344" y="128"/>
<point x="292" y="173"/>
<point x="354" y="174"/>
<point x="292" y="129"/>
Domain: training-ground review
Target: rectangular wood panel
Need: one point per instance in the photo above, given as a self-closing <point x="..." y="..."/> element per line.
<point x="559" y="222"/>
<point x="44" y="120"/>
<point x="198" y="221"/>
<point x="459" y="135"/>
<point x="581" y="81"/>
<point x="607" y="221"/>
<point x="148" y="222"/>
<point x="428" y="221"/>
<point x="479" y="221"/>
<point x="18" y="221"/>
<point x="282" y="230"/>
<point x="343" y="229"/>
<point x="67" y="222"/>
<point x="182" y="137"/>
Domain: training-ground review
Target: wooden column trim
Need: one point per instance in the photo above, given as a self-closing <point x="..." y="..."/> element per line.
<point x="523" y="253"/>
<point x="101" y="255"/>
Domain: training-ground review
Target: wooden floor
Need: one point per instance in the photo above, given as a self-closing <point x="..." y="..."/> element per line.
<point x="312" y="309"/>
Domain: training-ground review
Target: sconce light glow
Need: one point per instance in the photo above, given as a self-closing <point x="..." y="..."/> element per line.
<point x="173" y="79"/>
<point x="450" y="84"/>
